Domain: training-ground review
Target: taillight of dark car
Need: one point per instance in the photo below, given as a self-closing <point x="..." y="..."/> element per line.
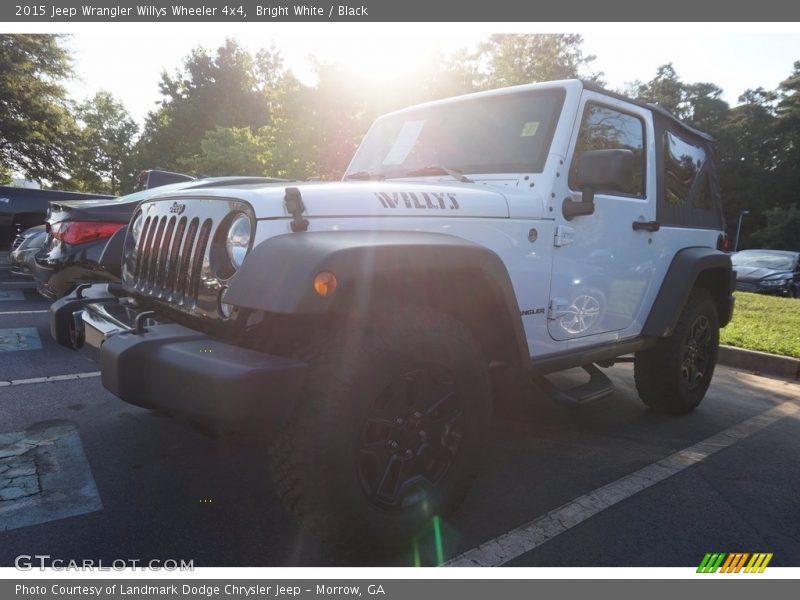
<point x="82" y="232"/>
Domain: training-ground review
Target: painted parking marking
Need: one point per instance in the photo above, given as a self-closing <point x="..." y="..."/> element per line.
<point x="19" y="338"/>
<point x="10" y="295"/>
<point x="49" y="379"/>
<point x="525" y="538"/>
<point x="44" y="476"/>
<point x="23" y="312"/>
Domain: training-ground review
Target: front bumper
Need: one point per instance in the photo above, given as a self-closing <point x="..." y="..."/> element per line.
<point x="175" y="368"/>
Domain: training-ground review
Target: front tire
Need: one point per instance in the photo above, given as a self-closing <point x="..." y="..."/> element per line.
<point x="673" y="376"/>
<point x="389" y="430"/>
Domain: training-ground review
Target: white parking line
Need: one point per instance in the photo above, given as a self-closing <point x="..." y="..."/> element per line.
<point x="49" y="379"/>
<point x="22" y="312"/>
<point x="525" y="538"/>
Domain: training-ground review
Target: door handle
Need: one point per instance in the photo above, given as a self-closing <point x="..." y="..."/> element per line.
<point x="646" y="226"/>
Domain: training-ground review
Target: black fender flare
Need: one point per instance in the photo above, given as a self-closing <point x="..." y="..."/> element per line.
<point x="277" y="275"/>
<point x="690" y="268"/>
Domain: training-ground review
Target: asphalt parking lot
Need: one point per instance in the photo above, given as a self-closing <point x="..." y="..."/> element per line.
<point x="83" y="475"/>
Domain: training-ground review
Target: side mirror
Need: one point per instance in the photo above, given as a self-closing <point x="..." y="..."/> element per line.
<point x="600" y="171"/>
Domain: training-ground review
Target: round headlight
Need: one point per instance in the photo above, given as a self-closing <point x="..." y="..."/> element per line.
<point x="238" y="240"/>
<point x="136" y="228"/>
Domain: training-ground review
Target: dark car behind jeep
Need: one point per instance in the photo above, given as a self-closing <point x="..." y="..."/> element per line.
<point x="775" y="272"/>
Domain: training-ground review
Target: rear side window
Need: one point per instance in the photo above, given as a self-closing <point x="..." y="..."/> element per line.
<point x="683" y="180"/>
<point x="604" y="128"/>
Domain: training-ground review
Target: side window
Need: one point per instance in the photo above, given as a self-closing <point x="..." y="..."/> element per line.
<point x="682" y="164"/>
<point x="703" y="198"/>
<point x="604" y="128"/>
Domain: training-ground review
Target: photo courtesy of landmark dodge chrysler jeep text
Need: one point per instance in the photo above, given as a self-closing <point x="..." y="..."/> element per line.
<point x="362" y="325"/>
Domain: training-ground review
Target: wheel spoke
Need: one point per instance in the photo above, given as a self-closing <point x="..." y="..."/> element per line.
<point x="439" y="404"/>
<point x="386" y="478"/>
<point x="378" y="448"/>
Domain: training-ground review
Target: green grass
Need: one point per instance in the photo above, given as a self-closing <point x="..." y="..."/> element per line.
<point x="765" y="323"/>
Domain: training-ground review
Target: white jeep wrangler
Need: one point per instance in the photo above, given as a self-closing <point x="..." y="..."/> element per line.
<point x="359" y="324"/>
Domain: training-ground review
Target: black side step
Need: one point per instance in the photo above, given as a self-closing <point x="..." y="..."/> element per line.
<point x="598" y="386"/>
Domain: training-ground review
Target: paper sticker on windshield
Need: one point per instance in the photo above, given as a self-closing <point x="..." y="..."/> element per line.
<point x="404" y="142"/>
<point x="529" y="129"/>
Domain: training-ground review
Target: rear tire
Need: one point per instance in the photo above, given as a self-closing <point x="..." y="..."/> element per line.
<point x="673" y="376"/>
<point x="389" y="431"/>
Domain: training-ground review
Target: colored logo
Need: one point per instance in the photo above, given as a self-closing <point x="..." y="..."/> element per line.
<point x="735" y="562"/>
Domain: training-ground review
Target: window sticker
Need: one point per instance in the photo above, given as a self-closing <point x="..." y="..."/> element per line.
<point x="529" y="129"/>
<point x="404" y="142"/>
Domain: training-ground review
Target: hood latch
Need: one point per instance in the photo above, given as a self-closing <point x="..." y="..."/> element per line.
<point x="295" y="207"/>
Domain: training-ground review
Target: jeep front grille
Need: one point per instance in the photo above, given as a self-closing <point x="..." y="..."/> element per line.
<point x="178" y="258"/>
<point x="169" y="257"/>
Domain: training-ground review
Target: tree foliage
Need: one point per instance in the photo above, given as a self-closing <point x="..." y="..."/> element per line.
<point x="100" y="161"/>
<point x="782" y="229"/>
<point x="226" y="89"/>
<point x="36" y="127"/>
<point x="230" y="151"/>
<point x="513" y="59"/>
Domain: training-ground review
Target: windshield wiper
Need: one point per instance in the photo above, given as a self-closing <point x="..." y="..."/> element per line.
<point x="363" y="176"/>
<point x="434" y="169"/>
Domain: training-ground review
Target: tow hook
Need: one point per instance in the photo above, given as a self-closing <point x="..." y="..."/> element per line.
<point x="138" y="324"/>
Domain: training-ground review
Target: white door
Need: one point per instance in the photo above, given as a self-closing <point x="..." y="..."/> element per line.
<point x="601" y="264"/>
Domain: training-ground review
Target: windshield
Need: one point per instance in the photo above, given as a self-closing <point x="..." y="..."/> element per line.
<point x="778" y="262"/>
<point x="509" y="133"/>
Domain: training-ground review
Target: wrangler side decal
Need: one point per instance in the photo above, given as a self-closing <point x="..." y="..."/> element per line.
<point x="424" y="200"/>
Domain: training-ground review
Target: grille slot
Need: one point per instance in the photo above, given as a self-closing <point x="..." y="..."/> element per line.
<point x="170" y="257"/>
<point x="174" y="257"/>
<point x="144" y="242"/>
<point x="197" y="259"/>
<point x="161" y="264"/>
<point x="149" y="273"/>
<point x="182" y="273"/>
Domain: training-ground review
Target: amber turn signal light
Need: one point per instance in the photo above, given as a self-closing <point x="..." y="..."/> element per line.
<point x="325" y="283"/>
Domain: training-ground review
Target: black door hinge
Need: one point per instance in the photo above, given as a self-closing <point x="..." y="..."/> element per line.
<point x="295" y="207"/>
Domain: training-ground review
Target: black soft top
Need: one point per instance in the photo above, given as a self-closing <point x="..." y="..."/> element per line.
<point x="657" y="109"/>
<point x="693" y="211"/>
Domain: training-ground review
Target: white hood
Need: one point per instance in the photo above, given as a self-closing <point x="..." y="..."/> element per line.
<point x="371" y="198"/>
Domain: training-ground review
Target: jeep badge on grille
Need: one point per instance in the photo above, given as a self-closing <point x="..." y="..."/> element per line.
<point x="177" y="208"/>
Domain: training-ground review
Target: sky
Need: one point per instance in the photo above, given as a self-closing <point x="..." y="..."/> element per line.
<point x="128" y="60"/>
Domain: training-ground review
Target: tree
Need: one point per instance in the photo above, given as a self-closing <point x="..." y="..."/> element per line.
<point x="101" y="159"/>
<point x="36" y="128"/>
<point x="782" y="230"/>
<point x="664" y="89"/>
<point x="231" y="151"/>
<point x="787" y="128"/>
<point x="229" y="88"/>
<point x="518" y="58"/>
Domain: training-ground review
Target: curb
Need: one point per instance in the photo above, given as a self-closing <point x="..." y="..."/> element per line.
<point x="761" y="363"/>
